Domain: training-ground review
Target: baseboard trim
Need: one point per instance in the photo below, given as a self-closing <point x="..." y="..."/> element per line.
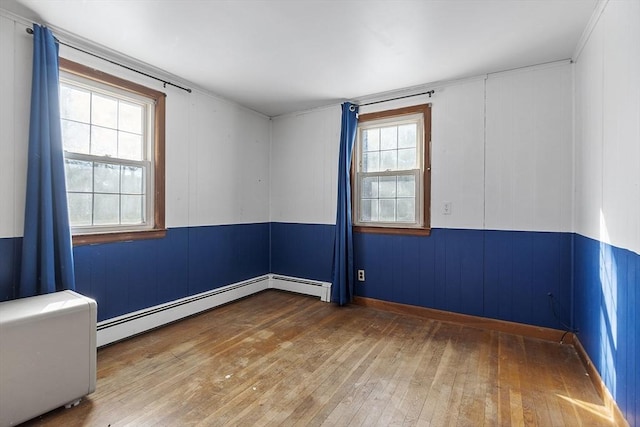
<point x="599" y="385"/>
<point x="131" y="324"/>
<point x="546" y="334"/>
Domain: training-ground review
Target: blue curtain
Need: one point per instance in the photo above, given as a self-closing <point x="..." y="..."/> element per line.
<point x="47" y="253"/>
<point x="343" y="273"/>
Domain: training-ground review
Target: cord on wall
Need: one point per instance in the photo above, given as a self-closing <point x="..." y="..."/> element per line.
<point x="567" y="328"/>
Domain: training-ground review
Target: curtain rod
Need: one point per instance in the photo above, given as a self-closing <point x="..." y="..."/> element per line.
<point x="429" y="92"/>
<point x="165" y="82"/>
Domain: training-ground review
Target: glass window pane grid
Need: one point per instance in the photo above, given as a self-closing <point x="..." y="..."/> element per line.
<point x="384" y="195"/>
<point x="404" y="150"/>
<point x="388" y="153"/>
<point x="92" y="192"/>
<point x="103" y="127"/>
<point x="134" y="128"/>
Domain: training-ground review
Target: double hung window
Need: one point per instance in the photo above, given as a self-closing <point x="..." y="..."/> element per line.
<point x="391" y="162"/>
<point x="113" y="140"/>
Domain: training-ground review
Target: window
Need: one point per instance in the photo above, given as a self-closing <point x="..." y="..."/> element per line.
<point x="113" y="140"/>
<point x="391" y="184"/>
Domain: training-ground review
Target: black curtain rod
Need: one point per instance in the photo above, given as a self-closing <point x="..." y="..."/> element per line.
<point x="165" y="83"/>
<point x="429" y="92"/>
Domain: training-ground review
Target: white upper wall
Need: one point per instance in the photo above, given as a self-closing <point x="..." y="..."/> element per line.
<point x="15" y="94"/>
<point x="501" y="154"/>
<point x="529" y="149"/>
<point x="501" y="146"/>
<point x="217" y="153"/>
<point x="457" y="151"/>
<point x="457" y="160"/>
<point x="607" y="154"/>
<point x="304" y="166"/>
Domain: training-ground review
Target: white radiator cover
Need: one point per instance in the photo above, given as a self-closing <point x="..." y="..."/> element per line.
<point x="301" y="286"/>
<point x="130" y="324"/>
<point x="47" y="354"/>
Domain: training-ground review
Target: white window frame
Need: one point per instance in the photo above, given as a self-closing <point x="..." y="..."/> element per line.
<point x="421" y="172"/>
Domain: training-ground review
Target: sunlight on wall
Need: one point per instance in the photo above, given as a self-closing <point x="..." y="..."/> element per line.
<point x="608" y="309"/>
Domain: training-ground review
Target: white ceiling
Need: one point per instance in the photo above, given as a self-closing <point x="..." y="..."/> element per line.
<point x="280" y="56"/>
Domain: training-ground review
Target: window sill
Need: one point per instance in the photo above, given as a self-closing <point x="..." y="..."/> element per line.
<point x="393" y="230"/>
<point x="127" y="236"/>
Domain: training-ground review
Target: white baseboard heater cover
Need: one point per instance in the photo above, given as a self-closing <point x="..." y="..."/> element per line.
<point x="47" y="354"/>
<point x="302" y="286"/>
<point x="130" y="324"/>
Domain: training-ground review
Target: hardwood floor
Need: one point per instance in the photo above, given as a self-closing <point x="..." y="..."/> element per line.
<point x="283" y="359"/>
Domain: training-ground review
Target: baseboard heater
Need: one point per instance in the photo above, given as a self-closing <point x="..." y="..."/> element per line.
<point x="47" y="354"/>
<point x="302" y="286"/>
<point x="130" y="324"/>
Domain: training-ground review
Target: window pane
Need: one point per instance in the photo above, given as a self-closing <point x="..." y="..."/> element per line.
<point x="371" y="162"/>
<point x="406" y="210"/>
<point x="370" y="187"/>
<point x="74" y="104"/>
<point x="79" y="176"/>
<point x="104" y="111"/>
<point x="369" y="210"/>
<point x="109" y="146"/>
<point x="132" y="182"/>
<point x="387" y="210"/>
<point x="79" y="209"/>
<point x="132" y="209"/>
<point x="129" y="146"/>
<point x="106" y="178"/>
<point x="104" y="142"/>
<point x="407" y="158"/>
<point x="106" y="209"/>
<point x="75" y="136"/>
<point x="406" y="186"/>
<point x="389" y="160"/>
<point x="387" y="187"/>
<point x="371" y="140"/>
<point x="389" y="138"/>
<point x="407" y="136"/>
<point x="390" y="169"/>
<point x="130" y="117"/>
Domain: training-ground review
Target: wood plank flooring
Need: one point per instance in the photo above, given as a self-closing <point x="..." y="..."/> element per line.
<point x="278" y="358"/>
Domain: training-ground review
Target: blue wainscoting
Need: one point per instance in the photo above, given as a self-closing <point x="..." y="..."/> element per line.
<point x="504" y="275"/>
<point x="302" y="250"/>
<point x="10" y="250"/>
<point x="607" y="301"/>
<point x="444" y="270"/>
<point x="499" y="274"/>
<point x="521" y="269"/>
<point x="129" y="276"/>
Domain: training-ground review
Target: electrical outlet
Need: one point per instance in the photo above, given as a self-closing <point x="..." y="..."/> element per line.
<point x="446" y="208"/>
<point x="361" y="275"/>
